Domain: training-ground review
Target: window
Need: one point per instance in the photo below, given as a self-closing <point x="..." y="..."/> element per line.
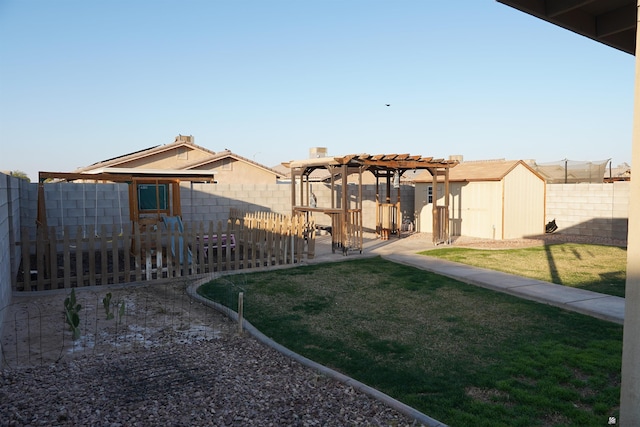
<point x="151" y="200"/>
<point x="429" y="195"/>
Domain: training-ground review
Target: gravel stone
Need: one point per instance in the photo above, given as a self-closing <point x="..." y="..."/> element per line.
<point x="223" y="380"/>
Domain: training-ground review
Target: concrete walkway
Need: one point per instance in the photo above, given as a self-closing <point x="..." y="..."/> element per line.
<point x="404" y="251"/>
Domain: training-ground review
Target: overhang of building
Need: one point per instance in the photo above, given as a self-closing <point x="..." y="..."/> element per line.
<point x="611" y="22"/>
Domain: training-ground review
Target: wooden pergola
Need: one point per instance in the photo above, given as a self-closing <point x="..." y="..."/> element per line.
<point x="346" y="215"/>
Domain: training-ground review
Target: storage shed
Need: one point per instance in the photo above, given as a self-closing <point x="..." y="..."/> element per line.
<point x="494" y="199"/>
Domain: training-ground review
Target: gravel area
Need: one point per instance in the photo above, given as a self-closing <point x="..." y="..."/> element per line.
<point x="166" y="375"/>
<point x="230" y="381"/>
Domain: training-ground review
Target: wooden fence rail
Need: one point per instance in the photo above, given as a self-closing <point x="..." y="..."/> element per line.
<point x="92" y="257"/>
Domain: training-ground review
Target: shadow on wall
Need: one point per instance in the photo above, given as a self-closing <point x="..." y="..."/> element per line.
<point x="91" y="206"/>
<point x="606" y="228"/>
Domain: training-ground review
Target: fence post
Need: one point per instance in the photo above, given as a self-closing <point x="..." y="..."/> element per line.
<point x="240" y="311"/>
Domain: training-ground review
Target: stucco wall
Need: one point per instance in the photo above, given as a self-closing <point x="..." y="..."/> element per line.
<point x="232" y="171"/>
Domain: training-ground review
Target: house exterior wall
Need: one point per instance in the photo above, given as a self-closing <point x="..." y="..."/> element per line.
<point x="232" y="171"/>
<point x="524" y="204"/>
<point x="175" y="158"/>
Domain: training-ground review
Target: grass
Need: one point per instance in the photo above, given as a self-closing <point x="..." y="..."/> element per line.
<point x="461" y="354"/>
<point x="592" y="267"/>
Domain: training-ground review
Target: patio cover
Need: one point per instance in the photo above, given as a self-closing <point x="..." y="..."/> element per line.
<point x="614" y="23"/>
<point x="611" y="22"/>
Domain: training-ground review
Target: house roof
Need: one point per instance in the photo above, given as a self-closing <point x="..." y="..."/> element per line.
<point x="484" y="170"/>
<point x="611" y="22"/>
<point x="180" y="141"/>
<point x="228" y="154"/>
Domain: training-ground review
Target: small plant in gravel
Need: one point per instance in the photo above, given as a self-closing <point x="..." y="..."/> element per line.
<point x="71" y="312"/>
<point x="117" y="307"/>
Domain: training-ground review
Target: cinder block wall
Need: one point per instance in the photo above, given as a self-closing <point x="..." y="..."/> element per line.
<point x="599" y="210"/>
<point x="76" y="205"/>
<point x="9" y="251"/>
<point x="84" y="206"/>
<point x="581" y="209"/>
<point x="205" y="202"/>
<point x="212" y="202"/>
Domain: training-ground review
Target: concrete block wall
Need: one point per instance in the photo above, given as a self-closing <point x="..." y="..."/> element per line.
<point x="205" y="202"/>
<point x="212" y="202"/>
<point x="81" y="205"/>
<point x="9" y="251"/>
<point x="598" y="210"/>
<point x="582" y="209"/>
<point x="29" y="207"/>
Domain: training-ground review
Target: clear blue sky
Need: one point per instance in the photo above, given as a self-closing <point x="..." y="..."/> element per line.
<point x="83" y="81"/>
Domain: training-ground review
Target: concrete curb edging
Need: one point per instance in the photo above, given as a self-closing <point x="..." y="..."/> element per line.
<point x="357" y="385"/>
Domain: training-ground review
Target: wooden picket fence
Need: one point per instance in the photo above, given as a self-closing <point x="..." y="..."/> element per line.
<point x="58" y="259"/>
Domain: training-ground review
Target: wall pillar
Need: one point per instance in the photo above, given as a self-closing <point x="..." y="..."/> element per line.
<point x="630" y="386"/>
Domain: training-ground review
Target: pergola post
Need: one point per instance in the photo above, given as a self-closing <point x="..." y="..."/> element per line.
<point x="630" y="385"/>
<point x="434" y="206"/>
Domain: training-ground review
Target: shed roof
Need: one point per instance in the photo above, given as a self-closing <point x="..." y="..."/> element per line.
<point x="484" y="170"/>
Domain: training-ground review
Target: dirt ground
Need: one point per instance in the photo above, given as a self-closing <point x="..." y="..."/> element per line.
<point x="35" y="330"/>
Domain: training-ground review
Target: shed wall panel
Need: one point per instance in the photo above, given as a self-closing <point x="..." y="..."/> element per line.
<point x="523" y="204"/>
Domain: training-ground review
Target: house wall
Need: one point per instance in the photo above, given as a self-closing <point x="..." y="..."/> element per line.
<point x="232" y="171"/>
<point x="175" y="158"/>
<point x="599" y="210"/>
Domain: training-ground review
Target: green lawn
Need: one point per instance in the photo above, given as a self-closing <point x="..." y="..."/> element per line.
<point x="592" y="267"/>
<point x="462" y="354"/>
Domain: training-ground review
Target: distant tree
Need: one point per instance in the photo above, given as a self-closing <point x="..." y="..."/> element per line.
<point x="21" y="175"/>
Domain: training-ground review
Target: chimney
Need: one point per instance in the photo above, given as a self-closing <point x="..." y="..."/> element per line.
<point x="184" y="138"/>
<point x="316" y="152"/>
